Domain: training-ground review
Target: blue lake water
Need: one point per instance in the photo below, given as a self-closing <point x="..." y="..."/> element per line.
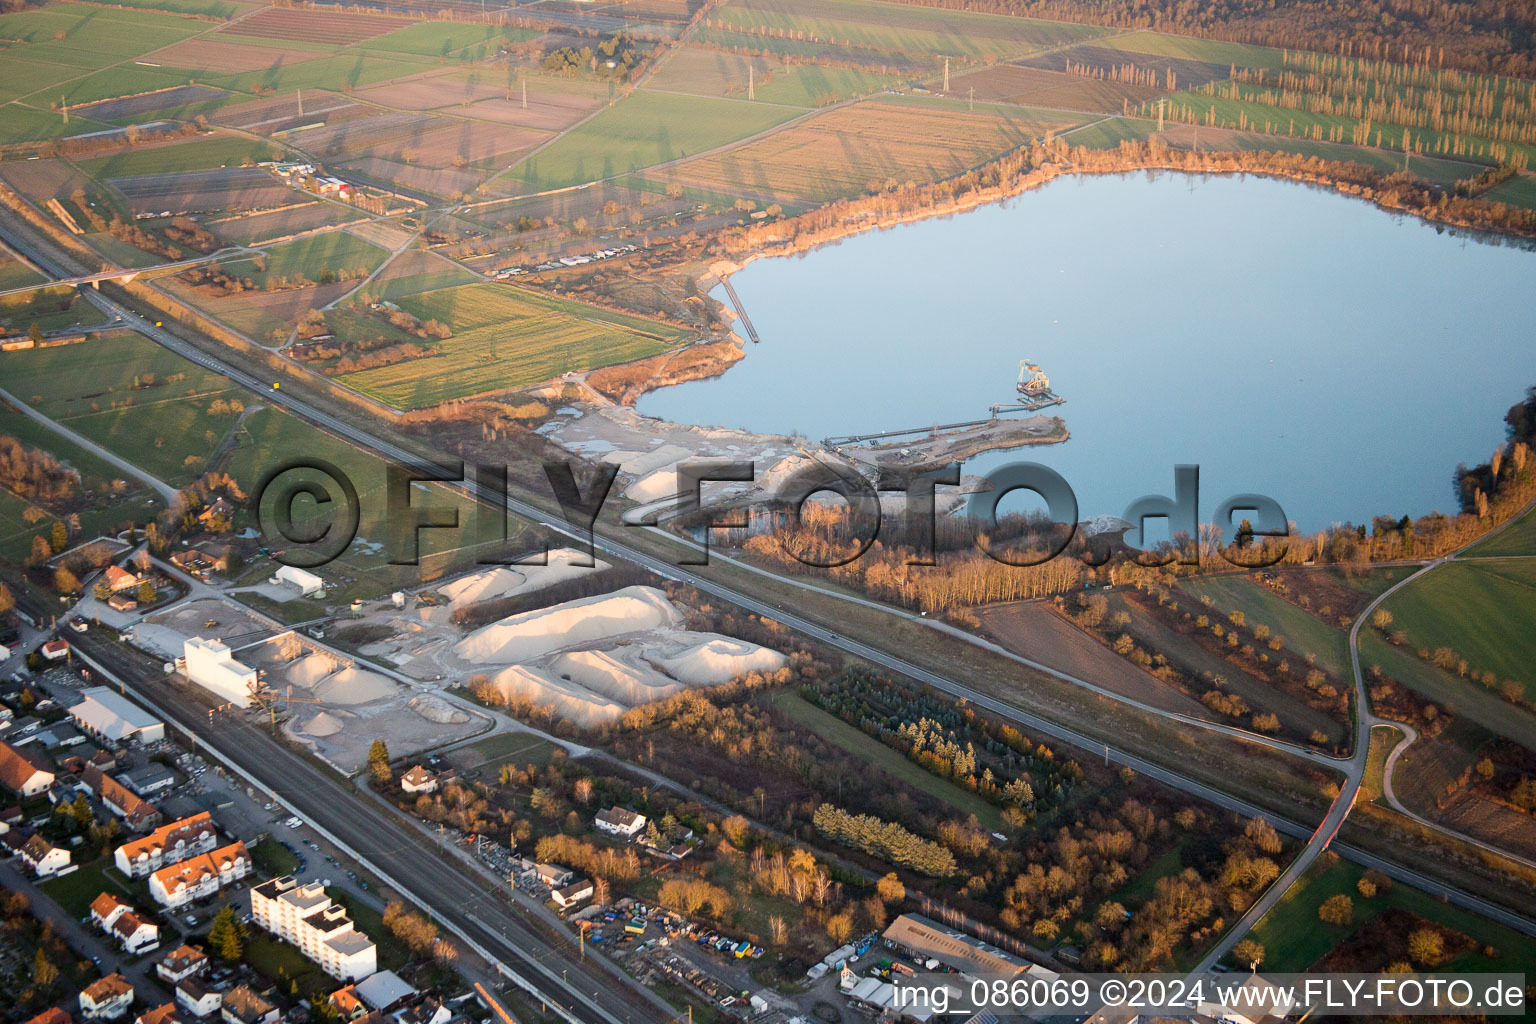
<point x="1286" y="339"/>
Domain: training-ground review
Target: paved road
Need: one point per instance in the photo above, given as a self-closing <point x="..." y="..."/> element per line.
<point x="401" y="854"/>
<point x="166" y="490"/>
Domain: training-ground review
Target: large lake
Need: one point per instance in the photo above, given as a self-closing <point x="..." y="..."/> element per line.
<point x="1287" y="339"/>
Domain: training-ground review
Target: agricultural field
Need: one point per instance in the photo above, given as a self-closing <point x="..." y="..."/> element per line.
<point x="903" y="30"/>
<point x="1517" y="191"/>
<point x="643" y="130"/>
<point x="173" y="158"/>
<point x="145" y="403"/>
<point x="1034" y="87"/>
<point x="186" y="101"/>
<point x="1463" y="697"/>
<point x="446" y="39"/>
<point x="331" y="29"/>
<point x="1294" y="938"/>
<point x="16" y="274"/>
<point x="340" y="251"/>
<point x="1304" y="633"/>
<point x="83" y="37"/>
<point x="1206" y="51"/>
<point x="414" y="271"/>
<point x="702" y="71"/>
<point x="853" y="149"/>
<point x="23" y="122"/>
<point x="506" y="338"/>
<point x="1108" y="64"/>
<point x="225" y="188"/>
<point x="1518" y="538"/>
<point x="1482" y="610"/>
<point x="52" y="309"/>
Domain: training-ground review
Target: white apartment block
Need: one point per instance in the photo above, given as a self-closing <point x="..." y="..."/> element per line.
<point x="305" y="916"/>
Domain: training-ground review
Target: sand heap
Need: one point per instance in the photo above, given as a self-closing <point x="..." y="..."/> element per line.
<point x="310" y="669"/>
<point x="718" y="659"/>
<point x="504" y="580"/>
<point x="566" y="699"/>
<point x="323" y="724"/>
<point x="435" y="709"/>
<point x="353" y="686"/>
<point x="620" y="680"/>
<point x="585" y="622"/>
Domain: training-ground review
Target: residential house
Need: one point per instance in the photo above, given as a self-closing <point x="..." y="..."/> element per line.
<point x="428" y="1011"/>
<point x="165" y="1013"/>
<point x="53" y="1015"/>
<point x="106" y="909"/>
<point x="194" y="996"/>
<point x="106" y="999"/>
<point x="570" y="895"/>
<point x="55" y="650"/>
<point x="135" y="933"/>
<point x="219" y="509"/>
<point x="305" y="916"/>
<point x="616" y="821"/>
<point x="43" y="858"/>
<point x="181" y="963"/>
<point x="22" y="774"/>
<point x="243" y="1006"/>
<point x="418" y="780"/>
<point x="168" y="844"/>
<point x="122" y="603"/>
<point x="199" y="877"/>
<point x="347" y="1004"/>
<point x="120" y="579"/>
<point x="137" y="813"/>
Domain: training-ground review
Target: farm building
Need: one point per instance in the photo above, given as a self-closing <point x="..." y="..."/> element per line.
<point x="212" y="666"/>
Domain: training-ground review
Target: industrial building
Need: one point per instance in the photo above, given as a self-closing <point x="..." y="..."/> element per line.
<point x="113" y="718"/>
<point x="211" y="665"/>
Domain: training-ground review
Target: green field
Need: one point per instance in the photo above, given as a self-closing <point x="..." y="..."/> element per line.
<point x="1212" y="51"/>
<point x="444" y="39"/>
<point x="1383" y="739"/>
<point x="1304" y="633"/>
<point x="505" y="338"/>
<point x="154" y="427"/>
<point x="191" y="155"/>
<point x="84" y="37"/>
<point x="866" y="748"/>
<point x="310" y="255"/>
<point x="1109" y="133"/>
<point x="122" y="80"/>
<point x="901" y="29"/>
<point x="23" y="122"/>
<point x="1482" y="610"/>
<point x="645" y="129"/>
<point x="1465" y="698"/>
<point x="16" y="274"/>
<point x="1294" y="938"/>
<point x="1518" y="538"/>
<point x="1517" y="191"/>
<point x="52" y="309"/>
<point x="75" y="891"/>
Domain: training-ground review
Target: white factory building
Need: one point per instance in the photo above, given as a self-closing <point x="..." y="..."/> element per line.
<point x="307" y="582"/>
<point x="305" y="916"/>
<point x="211" y="666"/>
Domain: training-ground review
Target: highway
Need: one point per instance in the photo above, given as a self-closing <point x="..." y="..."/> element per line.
<point x="410" y="859"/>
<point x="1317" y="839"/>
